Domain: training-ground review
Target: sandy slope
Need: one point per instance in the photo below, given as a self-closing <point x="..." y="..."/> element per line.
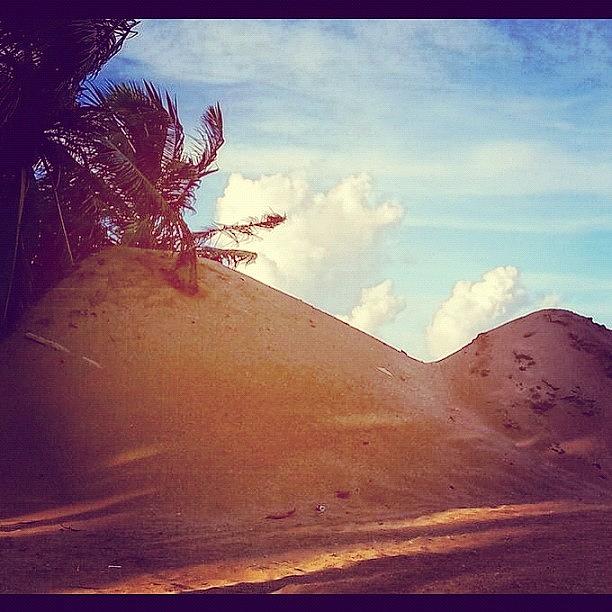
<point x="172" y="428"/>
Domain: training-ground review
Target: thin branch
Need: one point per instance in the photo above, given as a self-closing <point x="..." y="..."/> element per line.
<point x="59" y="208"/>
<point x="20" y="205"/>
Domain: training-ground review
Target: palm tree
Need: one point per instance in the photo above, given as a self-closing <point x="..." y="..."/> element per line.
<point x="43" y="65"/>
<point x="136" y="154"/>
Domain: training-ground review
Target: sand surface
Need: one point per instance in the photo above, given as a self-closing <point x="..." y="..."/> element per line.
<point x="241" y="440"/>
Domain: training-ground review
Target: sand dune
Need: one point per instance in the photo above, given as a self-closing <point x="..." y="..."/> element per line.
<point x="545" y="382"/>
<point x="179" y="432"/>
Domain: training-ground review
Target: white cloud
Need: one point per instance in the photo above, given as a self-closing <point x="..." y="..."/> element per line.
<point x="552" y="300"/>
<point x="498" y="167"/>
<point x="259" y="160"/>
<point x="492" y="167"/>
<point x="518" y="225"/>
<point x="226" y="51"/>
<point x="329" y="242"/>
<point x="321" y="96"/>
<point x="520" y="167"/>
<point x="307" y="53"/>
<point x="378" y="305"/>
<point x="475" y="307"/>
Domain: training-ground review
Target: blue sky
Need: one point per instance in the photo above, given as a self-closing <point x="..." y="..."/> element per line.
<point x="439" y="177"/>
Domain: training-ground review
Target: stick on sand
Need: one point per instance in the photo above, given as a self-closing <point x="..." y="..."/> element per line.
<point x="46" y="342"/>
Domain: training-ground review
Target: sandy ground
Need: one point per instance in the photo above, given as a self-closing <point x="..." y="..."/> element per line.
<point x="530" y="548"/>
<point x="241" y="440"/>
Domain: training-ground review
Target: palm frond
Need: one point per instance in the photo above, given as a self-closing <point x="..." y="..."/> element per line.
<point x="210" y="138"/>
<point x="240" y="231"/>
<point x="149" y="123"/>
<point x="227" y="257"/>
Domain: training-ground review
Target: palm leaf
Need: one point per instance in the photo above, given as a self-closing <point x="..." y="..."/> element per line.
<point x="149" y="122"/>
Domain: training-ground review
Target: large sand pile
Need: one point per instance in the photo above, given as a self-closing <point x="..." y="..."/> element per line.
<point x="243" y="408"/>
<point x="545" y="382"/>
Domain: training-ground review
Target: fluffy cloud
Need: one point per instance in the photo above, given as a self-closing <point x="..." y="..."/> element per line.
<point x="330" y="239"/>
<point x="378" y="305"/>
<point x="476" y="307"/>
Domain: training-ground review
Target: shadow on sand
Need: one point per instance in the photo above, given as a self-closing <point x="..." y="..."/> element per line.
<point x="109" y="546"/>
